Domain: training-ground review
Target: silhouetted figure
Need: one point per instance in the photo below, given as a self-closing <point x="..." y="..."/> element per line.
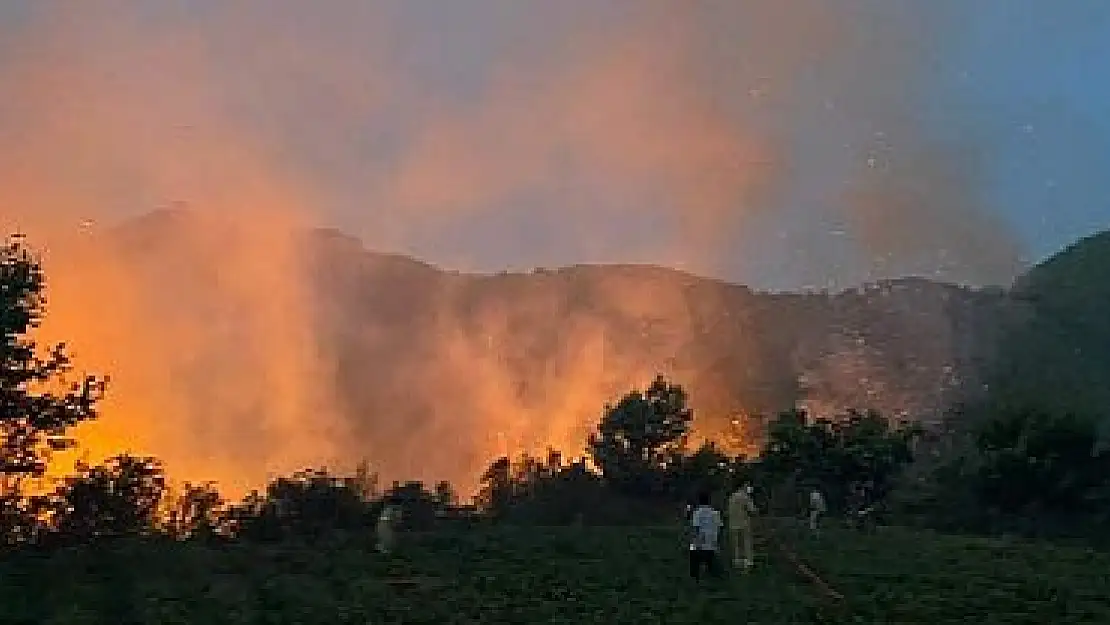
<point x="705" y="526"/>
<point x="741" y="507"/>
<point x="387" y="527"/>
<point x="859" y="504"/>
<point x="817" y="508"/>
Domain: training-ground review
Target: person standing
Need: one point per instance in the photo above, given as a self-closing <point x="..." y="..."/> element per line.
<point x="705" y="526"/>
<point x="741" y="508"/>
<point x="386" y="528"/>
<point x="817" y="508"/>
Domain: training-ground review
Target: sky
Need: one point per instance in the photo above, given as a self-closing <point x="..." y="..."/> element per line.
<point x="1047" y="174"/>
<point x="784" y="144"/>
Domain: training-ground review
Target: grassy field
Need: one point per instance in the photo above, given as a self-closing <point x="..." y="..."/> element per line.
<point x="557" y="575"/>
<point x="915" y="576"/>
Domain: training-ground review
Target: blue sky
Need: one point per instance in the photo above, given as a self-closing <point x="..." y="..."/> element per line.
<point x="868" y="137"/>
<point x="1050" y="73"/>
<point x="1021" y="81"/>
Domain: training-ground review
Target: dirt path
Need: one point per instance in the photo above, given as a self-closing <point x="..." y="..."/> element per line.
<point x="778" y="539"/>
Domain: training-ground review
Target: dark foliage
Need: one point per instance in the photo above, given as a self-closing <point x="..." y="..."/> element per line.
<point x="836" y="455"/>
<point x="1031" y="460"/>
<point x="1028" y="471"/>
<point x="197" y="512"/>
<point x="553" y="492"/>
<point x="34" y="418"/>
<point x="307" y="504"/>
<point x="418" y="505"/>
<point x="39" y="400"/>
<point x="639" y="438"/>
<point x="118" y="498"/>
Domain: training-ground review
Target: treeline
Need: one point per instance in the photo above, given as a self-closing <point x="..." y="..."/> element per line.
<point x="993" y="468"/>
<point x="997" y="467"/>
<point x="128" y="496"/>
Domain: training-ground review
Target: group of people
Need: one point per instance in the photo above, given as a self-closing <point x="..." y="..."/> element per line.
<point x="706" y="525"/>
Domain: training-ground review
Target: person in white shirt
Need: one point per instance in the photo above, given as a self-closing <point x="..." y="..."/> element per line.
<point x="705" y="525"/>
<point x="817" y="508"/>
<point x="741" y="508"/>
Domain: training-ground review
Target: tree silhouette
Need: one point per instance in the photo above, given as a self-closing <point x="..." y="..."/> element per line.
<point x="418" y="505"/>
<point x="496" y="491"/>
<point x="310" y="503"/>
<point x="34" y="416"/>
<point x="856" y="448"/>
<point x="640" y="437"/>
<point x="196" y="512"/>
<point x="365" y="481"/>
<point x="118" y="498"/>
<point x="445" y="495"/>
<point x="707" y="469"/>
<point x="39" y="402"/>
<point x="1031" y="461"/>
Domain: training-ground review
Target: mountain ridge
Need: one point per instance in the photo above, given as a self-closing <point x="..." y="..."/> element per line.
<point x="492" y="363"/>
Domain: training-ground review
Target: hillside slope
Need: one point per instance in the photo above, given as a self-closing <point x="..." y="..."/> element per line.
<point x="531" y="358"/>
<point x="430" y="373"/>
<point x="1060" y="355"/>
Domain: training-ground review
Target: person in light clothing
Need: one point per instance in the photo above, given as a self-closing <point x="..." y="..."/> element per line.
<point x="705" y="526"/>
<point x="817" y="508"/>
<point x="386" y="530"/>
<point x="741" y="507"/>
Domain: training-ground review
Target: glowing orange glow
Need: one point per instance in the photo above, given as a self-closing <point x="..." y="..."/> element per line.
<point x="210" y="327"/>
<point x="220" y="379"/>
<point x="209" y="337"/>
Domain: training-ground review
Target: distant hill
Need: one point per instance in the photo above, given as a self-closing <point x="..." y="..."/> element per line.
<point x="1060" y="355"/>
<point x="907" y="346"/>
<point x="902" y="345"/>
<point x="481" y="364"/>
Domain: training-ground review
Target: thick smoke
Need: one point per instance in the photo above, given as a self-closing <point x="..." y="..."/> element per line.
<point x="478" y="134"/>
<point x="209" y="338"/>
<point x="922" y="215"/>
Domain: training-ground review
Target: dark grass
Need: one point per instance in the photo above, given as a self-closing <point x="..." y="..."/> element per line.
<point x="554" y="575"/>
<point x="906" y="575"/>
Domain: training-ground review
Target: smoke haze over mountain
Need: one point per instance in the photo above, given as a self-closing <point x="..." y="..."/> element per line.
<point x="513" y="134"/>
<point x="733" y="139"/>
